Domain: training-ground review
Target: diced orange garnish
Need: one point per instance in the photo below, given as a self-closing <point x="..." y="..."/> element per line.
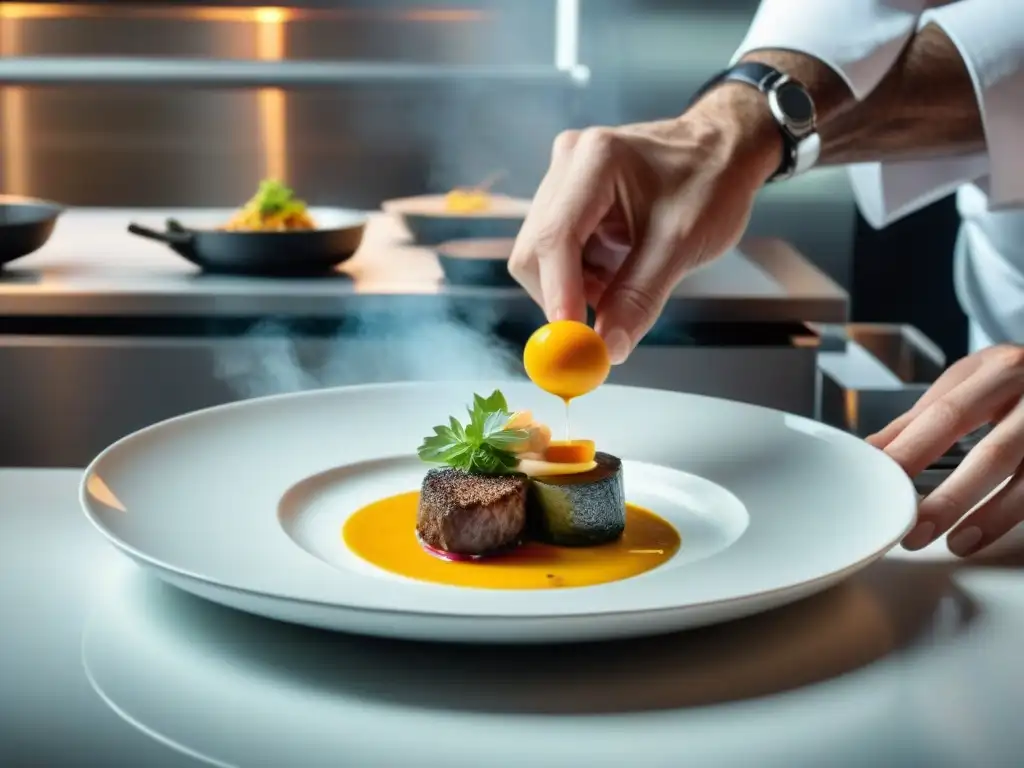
<point x="570" y="451"/>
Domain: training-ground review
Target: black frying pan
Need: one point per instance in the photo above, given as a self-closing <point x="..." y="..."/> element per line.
<point x="266" y="254"/>
<point x="25" y="225"/>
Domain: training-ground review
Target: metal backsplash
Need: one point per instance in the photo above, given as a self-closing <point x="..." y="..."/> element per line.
<point x="352" y="143"/>
<point x="371" y="99"/>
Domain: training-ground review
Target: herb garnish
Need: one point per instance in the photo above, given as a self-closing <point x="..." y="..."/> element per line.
<point x="273" y="198"/>
<point x="480" y="446"/>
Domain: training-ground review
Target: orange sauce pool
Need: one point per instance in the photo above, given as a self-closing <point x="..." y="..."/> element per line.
<point x="384" y="534"/>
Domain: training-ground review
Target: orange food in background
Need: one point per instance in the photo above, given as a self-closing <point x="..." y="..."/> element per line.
<point x="467" y="201"/>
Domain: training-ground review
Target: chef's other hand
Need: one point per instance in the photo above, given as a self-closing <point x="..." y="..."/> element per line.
<point x="984" y="388"/>
<point x="623" y="213"/>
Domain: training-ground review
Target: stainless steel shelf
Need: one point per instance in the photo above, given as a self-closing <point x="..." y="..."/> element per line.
<point x="205" y="73"/>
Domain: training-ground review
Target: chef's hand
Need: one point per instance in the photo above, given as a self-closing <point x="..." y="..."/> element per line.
<point x="623" y="213"/>
<point x="984" y="388"/>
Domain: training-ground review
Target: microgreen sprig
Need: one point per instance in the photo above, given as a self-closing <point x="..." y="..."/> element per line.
<point x="482" y="445"/>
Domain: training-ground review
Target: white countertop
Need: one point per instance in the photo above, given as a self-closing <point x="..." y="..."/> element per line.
<point x="914" y="662"/>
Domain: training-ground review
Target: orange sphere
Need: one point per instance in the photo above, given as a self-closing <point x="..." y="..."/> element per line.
<point x="567" y="359"/>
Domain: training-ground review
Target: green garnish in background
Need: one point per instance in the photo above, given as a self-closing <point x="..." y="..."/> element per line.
<point x="273" y="197"/>
<point x="480" y="446"/>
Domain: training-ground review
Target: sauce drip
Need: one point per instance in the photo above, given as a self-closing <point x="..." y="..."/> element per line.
<point x="384" y="534"/>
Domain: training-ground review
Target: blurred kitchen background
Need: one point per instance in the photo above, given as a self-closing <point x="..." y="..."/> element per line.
<point x="164" y="104"/>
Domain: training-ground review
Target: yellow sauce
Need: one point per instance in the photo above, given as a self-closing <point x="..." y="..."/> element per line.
<point x="384" y="534"/>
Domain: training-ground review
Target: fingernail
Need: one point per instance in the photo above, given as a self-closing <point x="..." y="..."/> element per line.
<point x="921" y="536"/>
<point x="965" y="541"/>
<point x="618" y="345"/>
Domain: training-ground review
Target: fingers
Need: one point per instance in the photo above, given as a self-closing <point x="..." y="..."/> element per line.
<point x="601" y="262"/>
<point x="967" y="406"/>
<point x="951" y="377"/>
<point x="991" y="461"/>
<point x="576" y="194"/>
<point x="991" y="521"/>
<point x="635" y="297"/>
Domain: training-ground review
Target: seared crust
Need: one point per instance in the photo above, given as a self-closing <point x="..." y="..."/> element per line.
<point x="471" y="514"/>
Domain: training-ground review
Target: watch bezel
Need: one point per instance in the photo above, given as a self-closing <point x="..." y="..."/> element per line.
<point x="798" y="128"/>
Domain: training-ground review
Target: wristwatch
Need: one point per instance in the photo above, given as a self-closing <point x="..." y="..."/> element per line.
<point x="792" y="107"/>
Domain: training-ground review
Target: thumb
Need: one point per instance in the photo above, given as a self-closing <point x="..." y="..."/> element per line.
<point x="638" y="292"/>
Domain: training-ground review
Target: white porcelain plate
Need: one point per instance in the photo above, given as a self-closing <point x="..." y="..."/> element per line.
<point x="244" y="504"/>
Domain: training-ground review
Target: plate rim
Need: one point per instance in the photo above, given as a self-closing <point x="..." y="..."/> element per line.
<point x="159" y="565"/>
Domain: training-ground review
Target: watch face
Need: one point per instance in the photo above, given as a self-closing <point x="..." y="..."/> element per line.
<point x="795" y="104"/>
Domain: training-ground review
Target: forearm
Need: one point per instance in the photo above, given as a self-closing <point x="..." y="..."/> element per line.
<point x="925" y="107"/>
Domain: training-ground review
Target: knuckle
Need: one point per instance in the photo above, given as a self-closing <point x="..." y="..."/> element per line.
<point x="549" y="238"/>
<point x="565" y="142"/>
<point x="1008" y="356"/>
<point x="645" y="299"/>
<point x="519" y="264"/>
<point x="944" y="508"/>
<point x="998" y="454"/>
<point x="948" y="414"/>
<point x="599" y="142"/>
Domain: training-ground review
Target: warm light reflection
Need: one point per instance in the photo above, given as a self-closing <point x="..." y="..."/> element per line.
<point x="56" y="10"/>
<point x="99" y="491"/>
<point x="268" y="16"/>
<point x="270" y="46"/>
<point x="446" y="16"/>
<point x="236" y="15"/>
<point x="12" y="114"/>
<point x="852" y="407"/>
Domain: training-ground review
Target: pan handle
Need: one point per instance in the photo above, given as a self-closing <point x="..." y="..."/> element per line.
<point x="169" y="238"/>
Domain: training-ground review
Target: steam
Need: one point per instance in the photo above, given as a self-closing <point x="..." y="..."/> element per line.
<point x="273" y="359"/>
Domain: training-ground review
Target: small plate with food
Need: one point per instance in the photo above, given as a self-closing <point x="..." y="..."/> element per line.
<point x="555" y="510"/>
<point x="463" y="214"/>
<point x="273" y="234"/>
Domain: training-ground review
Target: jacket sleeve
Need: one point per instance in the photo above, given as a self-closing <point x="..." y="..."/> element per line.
<point x="861" y="41"/>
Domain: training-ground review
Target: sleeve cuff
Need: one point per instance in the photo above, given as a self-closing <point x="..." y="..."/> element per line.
<point x="859" y="40"/>
<point x="886" y="192"/>
<point x="990" y="37"/>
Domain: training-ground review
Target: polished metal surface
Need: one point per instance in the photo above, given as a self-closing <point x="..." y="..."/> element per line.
<point x="873" y="372"/>
<point x="410" y="98"/>
<point x="426" y="96"/>
<point x="910" y="663"/>
<point x="69" y="70"/>
<point x="93" y="267"/>
<point x="107" y="333"/>
<point x="63" y="399"/>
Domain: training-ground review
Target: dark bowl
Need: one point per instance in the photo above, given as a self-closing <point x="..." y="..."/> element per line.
<point x="430" y="224"/>
<point x="300" y="253"/>
<point x="477" y="262"/>
<point x="25" y="225"/>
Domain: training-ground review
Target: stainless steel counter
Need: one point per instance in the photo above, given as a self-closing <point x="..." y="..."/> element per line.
<point x="93" y="267"/>
<point x="914" y="662"/>
<point x="102" y="333"/>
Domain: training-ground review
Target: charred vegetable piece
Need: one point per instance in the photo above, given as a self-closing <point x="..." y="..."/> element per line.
<point x="579" y="510"/>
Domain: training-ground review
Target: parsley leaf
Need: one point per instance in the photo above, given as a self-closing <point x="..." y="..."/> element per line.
<point x="273" y="197"/>
<point x="482" y="445"/>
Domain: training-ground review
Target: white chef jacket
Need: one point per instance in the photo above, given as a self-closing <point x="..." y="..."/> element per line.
<point x="861" y="40"/>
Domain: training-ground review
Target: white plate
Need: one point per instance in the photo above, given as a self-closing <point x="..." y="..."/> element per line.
<point x="243" y="505"/>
